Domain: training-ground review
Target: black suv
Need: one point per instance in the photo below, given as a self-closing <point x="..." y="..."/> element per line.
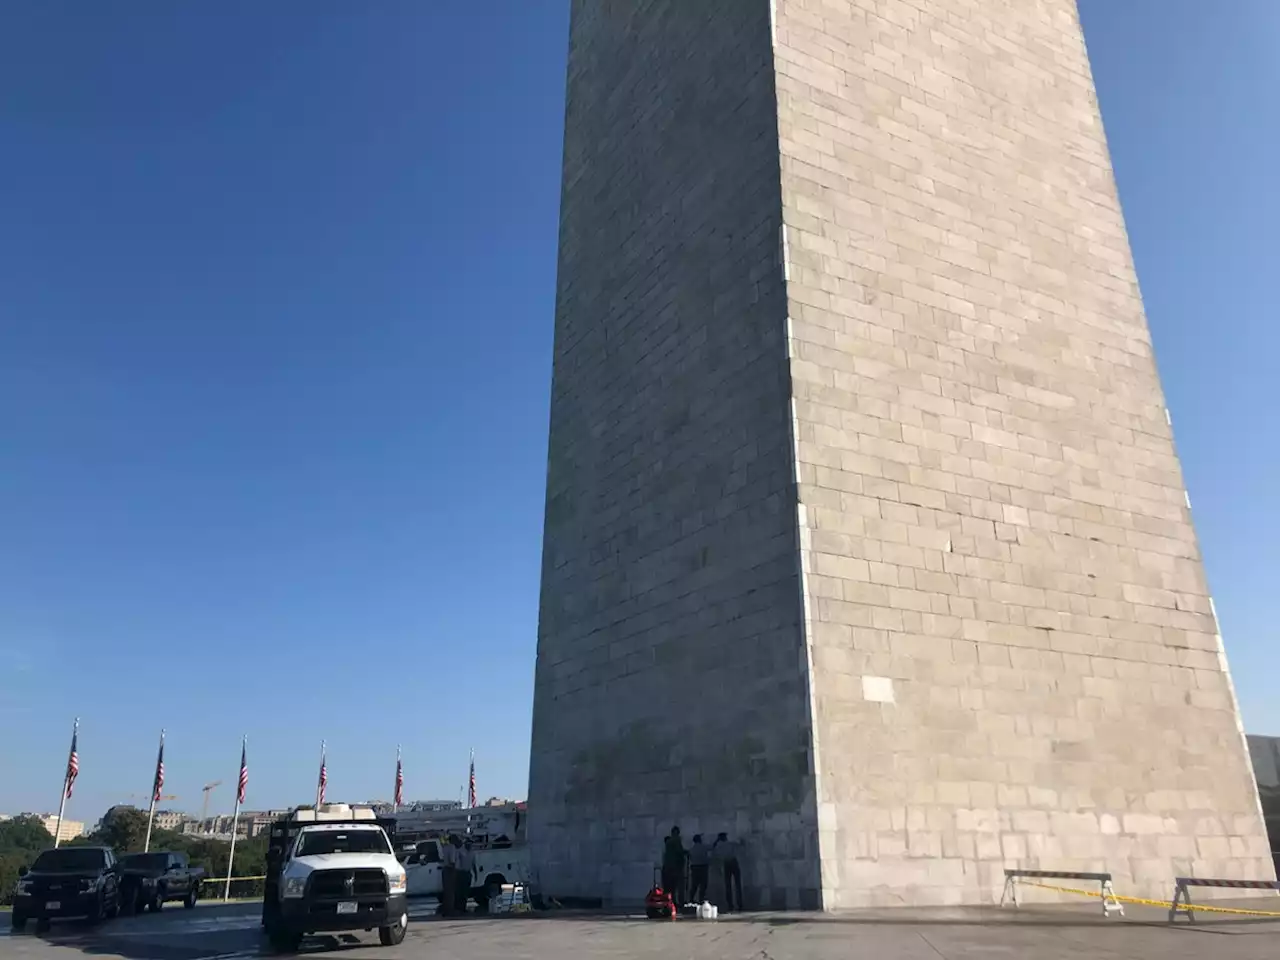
<point x="68" y="882"/>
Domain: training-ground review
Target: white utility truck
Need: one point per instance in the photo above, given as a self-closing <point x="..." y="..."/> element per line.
<point x="498" y="846"/>
<point x="333" y="869"/>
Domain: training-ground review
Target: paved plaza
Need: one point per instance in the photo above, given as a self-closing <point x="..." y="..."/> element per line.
<point x="1035" y="933"/>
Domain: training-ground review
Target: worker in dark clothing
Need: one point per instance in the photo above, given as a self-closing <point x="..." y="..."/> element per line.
<point x="699" y="869"/>
<point x="463" y="877"/>
<point x="673" y="857"/>
<point x="726" y="852"/>
<point x="448" y="875"/>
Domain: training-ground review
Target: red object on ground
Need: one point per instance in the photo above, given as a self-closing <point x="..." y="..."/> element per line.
<point x="658" y="905"/>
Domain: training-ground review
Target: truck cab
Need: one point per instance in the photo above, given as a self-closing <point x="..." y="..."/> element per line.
<point x="150" y="880"/>
<point x="68" y="882"/>
<point x="330" y="870"/>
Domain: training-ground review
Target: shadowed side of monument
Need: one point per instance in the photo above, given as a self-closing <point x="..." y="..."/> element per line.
<point x="671" y="682"/>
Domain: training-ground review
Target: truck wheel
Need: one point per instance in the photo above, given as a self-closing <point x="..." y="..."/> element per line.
<point x="284" y="941"/>
<point x="157" y="902"/>
<point x="394" y="934"/>
<point x="19" y="921"/>
<point x="490" y="892"/>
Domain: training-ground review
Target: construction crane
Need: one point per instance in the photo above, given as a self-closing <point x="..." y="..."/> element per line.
<point x="208" y="789"/>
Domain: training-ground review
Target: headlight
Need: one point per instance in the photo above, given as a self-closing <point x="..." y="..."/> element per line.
<point x="396" y="882"/>
<point x="295" y="886"/>
<point x="24" y="887"/>
<point x="88" y="886"/>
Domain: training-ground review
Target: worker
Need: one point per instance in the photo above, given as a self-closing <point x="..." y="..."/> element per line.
<point x="466" y="868"/>
<point x="448" y="875"/>
<point x="699" y="868"/>
<point x="673" y="858"/>
<point x="726" y="852"/>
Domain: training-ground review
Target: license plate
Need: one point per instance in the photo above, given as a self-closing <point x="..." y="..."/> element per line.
<point x="53" y="905"/>
<point x="348" y="907"/>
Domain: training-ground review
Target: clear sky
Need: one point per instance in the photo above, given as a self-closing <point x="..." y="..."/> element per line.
<point x="276" y="295"/>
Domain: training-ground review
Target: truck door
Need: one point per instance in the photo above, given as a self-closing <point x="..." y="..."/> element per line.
<point x="178" y="880"/>
<point x="422" y="870"/>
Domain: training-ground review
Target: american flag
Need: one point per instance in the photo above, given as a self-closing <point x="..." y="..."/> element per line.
<point x="471" y="782"/>
<point x="399" y="781"/>
<point x="324" y="781"/>
<point x="244" y="777"/>
<point x="158" y="786"/>
<point x="73" y="763"/>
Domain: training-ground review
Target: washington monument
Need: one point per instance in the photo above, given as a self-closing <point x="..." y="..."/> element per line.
<point x="866" y="538"/>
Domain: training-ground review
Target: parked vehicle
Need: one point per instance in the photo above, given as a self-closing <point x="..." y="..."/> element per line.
<point x="333" y="869"/>
<point x="149" y="880"/>
<point x="495" y="865"/>
<point x="68" y="882"/>
<point x="498" y="845"/>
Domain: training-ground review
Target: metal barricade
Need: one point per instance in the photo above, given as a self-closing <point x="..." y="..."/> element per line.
<point x="1110" y="904"/>
<point x="1181" y="902"/>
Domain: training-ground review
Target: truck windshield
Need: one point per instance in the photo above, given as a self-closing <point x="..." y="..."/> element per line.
<point x="313" y="843"/>
<point x="145" y="861"/>
<point x="69" y="858"/>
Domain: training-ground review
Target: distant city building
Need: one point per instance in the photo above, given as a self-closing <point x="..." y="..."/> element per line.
<point x="69" y="830"/>
<point x="219" y="826"/>
<point x="250" y="824"/>
<point x="498" y="802"/>
<point x="414" y="806"/>
<point x="434" y="806"/>
<point x="254" y="822"/>
<point x="169" y="819"/>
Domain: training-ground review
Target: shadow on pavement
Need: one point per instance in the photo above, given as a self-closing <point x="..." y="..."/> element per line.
<point x="231" y="933"/>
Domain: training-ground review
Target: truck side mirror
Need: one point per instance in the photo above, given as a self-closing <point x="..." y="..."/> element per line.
<point x="22" y="871"/>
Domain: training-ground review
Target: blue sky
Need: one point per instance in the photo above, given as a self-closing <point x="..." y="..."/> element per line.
<point x="276" y="298"/>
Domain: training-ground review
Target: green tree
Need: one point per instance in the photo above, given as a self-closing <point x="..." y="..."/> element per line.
<point x="123" y="829"/>
<point x="21" y="841"/>
<point x="23" y="833"/>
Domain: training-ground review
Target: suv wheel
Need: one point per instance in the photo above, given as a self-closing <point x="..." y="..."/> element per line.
<point x="19" y="921"/>
<point x="190" y="901"/>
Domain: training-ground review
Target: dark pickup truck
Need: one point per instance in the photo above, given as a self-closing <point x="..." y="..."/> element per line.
<point x="149" y="880"/>
<point x="68" y="882"/>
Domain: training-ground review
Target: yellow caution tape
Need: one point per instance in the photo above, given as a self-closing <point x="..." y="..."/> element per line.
<point x="233" y="879"/>
<point x="1165" y="904"/>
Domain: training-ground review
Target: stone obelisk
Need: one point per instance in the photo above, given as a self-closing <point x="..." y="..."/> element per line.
<point x="866" y="538"/>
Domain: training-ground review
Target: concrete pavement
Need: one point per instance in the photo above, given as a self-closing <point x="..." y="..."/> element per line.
<point x="215" y="932"/>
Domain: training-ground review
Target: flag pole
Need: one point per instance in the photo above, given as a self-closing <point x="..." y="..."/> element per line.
<point x="471" y="788"/>
<point x="235" y="817"/>
<point x="66" y="776"/>
<point x="156" y="786"/>
<point x="395" y="800"/>
<point x="320" y="779"/>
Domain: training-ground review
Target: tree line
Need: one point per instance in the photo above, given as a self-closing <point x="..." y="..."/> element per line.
<point x="124" y="829"/>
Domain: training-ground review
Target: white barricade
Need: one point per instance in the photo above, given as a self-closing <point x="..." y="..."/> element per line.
<point x="1110" y="904"/>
